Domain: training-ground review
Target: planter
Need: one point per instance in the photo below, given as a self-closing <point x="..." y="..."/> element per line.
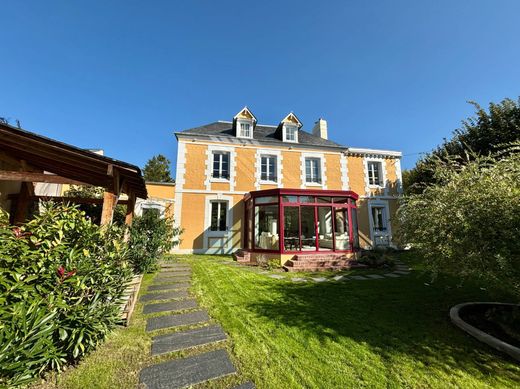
<point x="130" y="298"/>
<point x="481" y="335"/>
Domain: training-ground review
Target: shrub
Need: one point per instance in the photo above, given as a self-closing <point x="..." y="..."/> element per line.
<point x="468" y="224"/>
<point x="378" y="257"/>
<point x="150" y="236"/>
<point x="61" y="281"/>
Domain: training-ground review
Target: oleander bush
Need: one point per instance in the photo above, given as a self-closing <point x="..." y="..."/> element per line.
<point x="61" y="282"/>
<point x="468" y="224"/>
<point x="150" y="236"/>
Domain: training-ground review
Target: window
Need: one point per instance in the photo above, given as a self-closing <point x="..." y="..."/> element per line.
<point x="245" y="130"/>
<point x="379" y="218"/>
<point x="374" y="173"/>
<point x="220" y="165"/>
<point x="313" y="170"/>
<point x="218" y="215"/>
<point x="268" y="168"/>
<point x="266" y="227"/>
<point x="291" y="133"/>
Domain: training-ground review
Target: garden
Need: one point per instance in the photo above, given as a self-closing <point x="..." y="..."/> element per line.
<point x="62" y="280"/>
<point x="392" y="332"/>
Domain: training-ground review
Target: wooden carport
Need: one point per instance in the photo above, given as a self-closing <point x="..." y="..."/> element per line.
<point x="27" y="158"/>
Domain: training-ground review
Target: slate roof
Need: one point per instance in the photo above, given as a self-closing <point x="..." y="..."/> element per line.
<point x="261" y="133"/>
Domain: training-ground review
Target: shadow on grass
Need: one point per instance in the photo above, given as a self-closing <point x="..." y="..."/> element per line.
<point x="394" y="317"/>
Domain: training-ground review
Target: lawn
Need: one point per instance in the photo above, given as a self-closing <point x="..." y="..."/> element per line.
<point x="380" y="333"/>
<point x="389" y="333"/>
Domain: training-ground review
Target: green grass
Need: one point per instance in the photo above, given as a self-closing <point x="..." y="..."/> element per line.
<point x="388" y="333"/>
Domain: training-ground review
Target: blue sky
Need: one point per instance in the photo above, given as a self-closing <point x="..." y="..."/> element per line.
<point x="123" y="75"/>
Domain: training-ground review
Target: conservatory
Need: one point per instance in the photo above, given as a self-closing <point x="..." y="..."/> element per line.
<point x="293" y="221"/>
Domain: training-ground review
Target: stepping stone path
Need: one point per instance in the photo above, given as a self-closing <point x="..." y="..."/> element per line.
<point x="182" y="372"/>
<point x="401" y="269"/>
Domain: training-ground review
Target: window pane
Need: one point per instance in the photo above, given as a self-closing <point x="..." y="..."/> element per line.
<point x="214" y="217"/>
<point x="307" y="199"/>
<point x="291" y="228"/>
<point x="216" y="165"/>
<point x="267" y="199"/>
<point x="341" y="230"/>
<point x="327" y="200"/>
<point x="340" y="200"/>
<point x="355" y="234"/>
<point x="222" y="217"/>
<point x="325" y="242"/>
<point x="308" y="234"/>
<point x="225" y="165"/>
<point x="290" y="199"/>
<point x="266" y="227"/>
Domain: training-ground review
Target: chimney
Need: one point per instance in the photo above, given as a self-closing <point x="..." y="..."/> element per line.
<point x="320" y="128"/>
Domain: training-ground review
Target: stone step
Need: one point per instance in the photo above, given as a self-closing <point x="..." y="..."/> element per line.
<point x="172" y="279"/>
<point x="322" y="257"/>
<point x="182" y="319"/>
<point x="294" y="266"/>
<point x="182" y="373"/>
<point x="177" y="294"/>
<point x="187" y="339"/>
<point x="170" y="306"/>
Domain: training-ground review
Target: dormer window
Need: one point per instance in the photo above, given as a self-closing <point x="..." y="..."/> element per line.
<point x="288" y="128"/>
<point x="245" y="130"/>
<point x="244" y="124"/>
<point x="290" y="133"/>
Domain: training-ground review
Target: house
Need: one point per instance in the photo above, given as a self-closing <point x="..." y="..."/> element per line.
<point x="279" y="192"/>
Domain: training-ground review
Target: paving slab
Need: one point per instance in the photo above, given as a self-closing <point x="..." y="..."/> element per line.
<point x="338" y="278"/>
<point x="401" y="272"/>
<point x="187" y="339"/>
<point x="178" y="285"/>
<point x="374" y="276"/>
<point x="176" y="294"/>
<point x="182" y="373"/>
<point x="360" y="278"/>
<point x="319" y="279"/>
<point x="175" y="273"/>
<point x="181" y="319"/>
<point x="246" y="385"/>
<point x="153" y="288"/>
<point x="298" y="279"/>
<point x="277" y="276"/>
<point x="172" y="279"/>
<point x="175" y="267"/>
<point x="170" y="306"/>
<point x="392" y="275"/>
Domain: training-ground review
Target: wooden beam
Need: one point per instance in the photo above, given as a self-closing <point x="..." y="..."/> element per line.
<point x="23" y="202"/>
<point x="130" y="209"/>
<point x="7" y="175"/>
<point x="109" y="203"/>
<point x="65" y="199"/>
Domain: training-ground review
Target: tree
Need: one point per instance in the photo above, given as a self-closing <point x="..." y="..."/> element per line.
<point x="467" y="224"/>
<point x="482" y="134"/>
<point x="157" y="169"/>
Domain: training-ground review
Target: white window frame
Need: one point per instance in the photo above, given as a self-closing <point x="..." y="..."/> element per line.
<point x="369" y="186"/>
<point x="220" y="179"/>
<point x="267" y="180"/>
<point x="371" y="173"/>
<point x="284" y="131"/>
<point x="258" y="167"/>
<point x="219" y="208"/>
<point x="240" y="134"/>
<point x="313" y="166"/>
<point x="304" y="183"/>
